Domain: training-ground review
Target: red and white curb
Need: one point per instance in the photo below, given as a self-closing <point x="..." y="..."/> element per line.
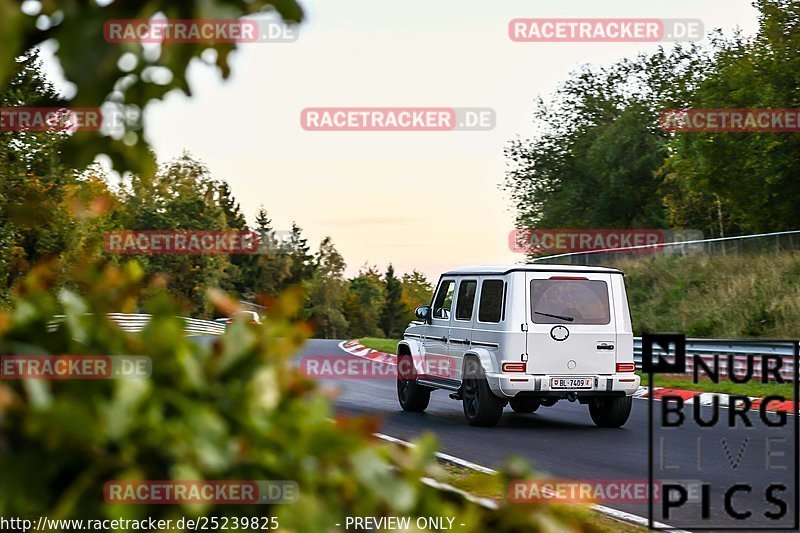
<point x="707" y="398"/>
<point x="353" y="347"/>
<point x="359" y="350"/>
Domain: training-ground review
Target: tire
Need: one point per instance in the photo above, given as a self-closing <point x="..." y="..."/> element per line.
<point x="481" y="407"/>
<point x="610" y="412"/>
<point x="412" y="396"/>
<point x="524" y="405"/>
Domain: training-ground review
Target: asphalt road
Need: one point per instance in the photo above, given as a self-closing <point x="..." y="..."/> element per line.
<point x="562" y="442"/>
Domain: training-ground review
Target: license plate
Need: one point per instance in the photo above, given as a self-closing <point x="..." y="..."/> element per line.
<point x="571" y="383"/>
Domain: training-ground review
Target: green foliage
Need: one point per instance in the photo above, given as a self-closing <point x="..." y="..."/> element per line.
<point x="417" y="291"/>
<point x="602" y="160"/>
<point x="393" y="311"/>
<point x="183" y="195"/>
<point x="46" y="208"/>
<point x="748" y="180"/>
<point x="301" y="264"/>
<point x="328" y="291"/>
<point x="236" y="409"/>
<point x="265" y="274"/>
<point x="367" y="304"/>
<point x="595" y="161"/>
<point x="365" y="299"/>
<point x="88" y="61"/>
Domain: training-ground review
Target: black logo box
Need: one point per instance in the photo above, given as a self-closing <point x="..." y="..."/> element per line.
<point x="674" y="344"/>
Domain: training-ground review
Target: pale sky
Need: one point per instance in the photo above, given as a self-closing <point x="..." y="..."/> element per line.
<point x="424" y="200"/>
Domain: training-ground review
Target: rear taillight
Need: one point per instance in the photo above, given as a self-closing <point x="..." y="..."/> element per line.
<point x="626" y="367"/>
<point x="513" y="367"/>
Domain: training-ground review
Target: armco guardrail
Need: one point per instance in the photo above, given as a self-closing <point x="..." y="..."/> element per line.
<point x="738" y="350"/>
<point x="134" y="323"/>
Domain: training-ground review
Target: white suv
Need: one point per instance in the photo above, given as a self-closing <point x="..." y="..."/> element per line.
<point x="528" y="335"/>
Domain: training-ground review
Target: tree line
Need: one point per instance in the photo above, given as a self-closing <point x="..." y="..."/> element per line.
<point x="52" y="212"/>
<point x="602" y="159"/>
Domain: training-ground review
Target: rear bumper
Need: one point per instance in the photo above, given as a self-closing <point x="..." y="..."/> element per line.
<point x="510" y="385"/>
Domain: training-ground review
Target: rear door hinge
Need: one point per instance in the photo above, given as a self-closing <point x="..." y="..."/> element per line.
<point x="524" y="327"/>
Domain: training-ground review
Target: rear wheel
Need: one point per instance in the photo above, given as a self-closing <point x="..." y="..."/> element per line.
<point x="610" y="412"/>
<point x="481" y="406"/>
<point x="413" y="396"/>
<point x="524" y="405"/>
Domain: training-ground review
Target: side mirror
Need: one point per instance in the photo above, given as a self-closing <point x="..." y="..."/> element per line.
<point x="423" y="313"/>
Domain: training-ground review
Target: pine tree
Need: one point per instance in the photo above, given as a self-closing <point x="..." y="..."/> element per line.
<point x="393" y="310"/>
<point x="229" y="205"/>
<point x="267" y="272"/>
<point x="301" y="267"/>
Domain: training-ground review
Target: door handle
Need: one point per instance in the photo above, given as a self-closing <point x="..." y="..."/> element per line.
<point x="605" y="346"/>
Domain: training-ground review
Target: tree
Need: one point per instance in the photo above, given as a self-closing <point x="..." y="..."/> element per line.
<point x="263" y="225"/>
<point x="364" y="303"/>
<point x="328" y="291"/>
<point x="595" y="163"/>
<point x="234" y="219"/>
<point x="746" y="181"/>
<point x="393" y="311"/>
<point x="181" y="196"/>
<point x="301" y="267"/>
<point x="266" y="273"/>
<point x="417" y="291"/>
<point x="46" y="208"/>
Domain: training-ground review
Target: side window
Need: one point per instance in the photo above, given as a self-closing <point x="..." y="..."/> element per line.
<point x="466" y="299"/>
<point x="490" y="308"/>
<point x="444" y="299"/>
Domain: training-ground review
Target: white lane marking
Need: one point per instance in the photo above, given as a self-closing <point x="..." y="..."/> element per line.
<point x="484" y="502"/>
<point x="608" y="511"/>
<point x="443" y="456"/>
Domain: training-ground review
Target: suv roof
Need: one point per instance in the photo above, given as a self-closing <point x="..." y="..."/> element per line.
<point x="529" y="267"/>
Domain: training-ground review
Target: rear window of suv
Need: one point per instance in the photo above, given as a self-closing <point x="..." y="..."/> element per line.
<point x="569" y="301"/>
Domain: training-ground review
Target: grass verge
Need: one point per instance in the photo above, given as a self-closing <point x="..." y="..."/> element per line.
<point x="754" y="295"/>
<point x="489" y="486"/>
<point x="383" y="345"/>
<point x="757" y="389"/>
